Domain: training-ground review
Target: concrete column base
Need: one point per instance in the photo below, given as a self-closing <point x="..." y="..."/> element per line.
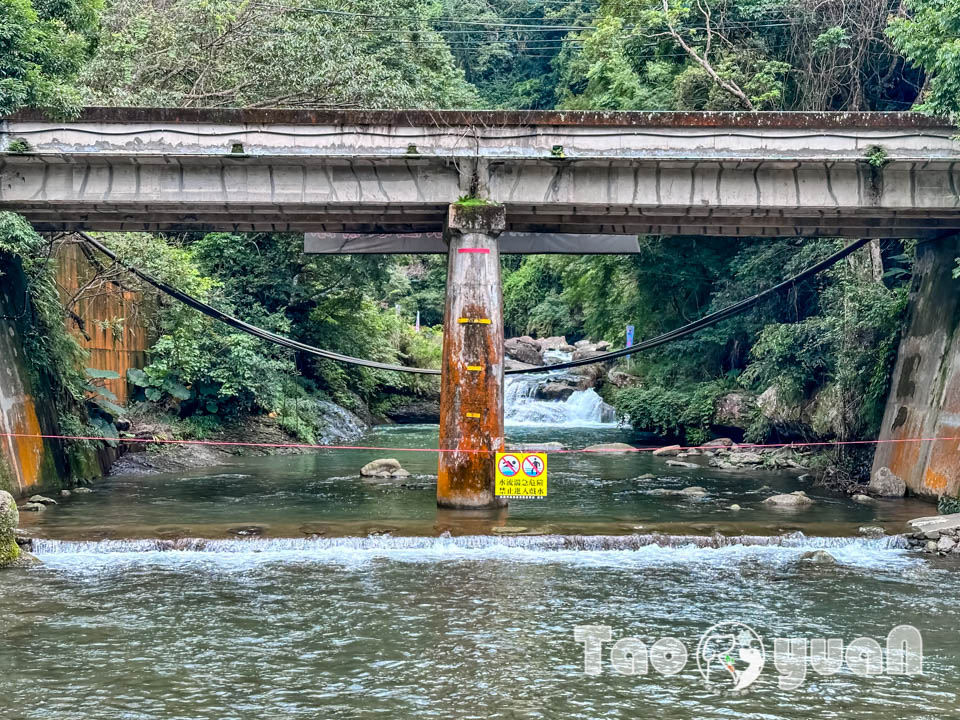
<point x="471" y="394"/>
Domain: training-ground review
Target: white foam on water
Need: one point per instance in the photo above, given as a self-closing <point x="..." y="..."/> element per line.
<point x="584" y="408"/>
<point x="596" y="551"/>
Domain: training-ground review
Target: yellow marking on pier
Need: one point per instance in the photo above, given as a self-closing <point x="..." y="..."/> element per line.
<point x="474" y="321"/>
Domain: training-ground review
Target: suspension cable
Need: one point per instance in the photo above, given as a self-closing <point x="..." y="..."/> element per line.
<point x="675" y="334"/>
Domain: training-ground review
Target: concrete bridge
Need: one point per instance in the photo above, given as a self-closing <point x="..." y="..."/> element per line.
<point x="549" y="181"/>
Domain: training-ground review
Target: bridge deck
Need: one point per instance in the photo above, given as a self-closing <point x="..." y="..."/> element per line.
<point x="397" y="171"/>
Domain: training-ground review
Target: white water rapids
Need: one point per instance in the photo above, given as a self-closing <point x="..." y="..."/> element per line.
<point x="584" y="408"/>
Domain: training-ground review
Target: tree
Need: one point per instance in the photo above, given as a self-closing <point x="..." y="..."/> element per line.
<point x="930" y="38"/>
<point x="233" y="53"/>
<point x="42" y="48"/>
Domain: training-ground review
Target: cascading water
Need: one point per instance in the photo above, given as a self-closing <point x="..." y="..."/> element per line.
<point x="583" y="408"/>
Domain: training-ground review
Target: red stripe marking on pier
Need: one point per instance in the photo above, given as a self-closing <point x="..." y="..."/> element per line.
<point x="482" y="251"/>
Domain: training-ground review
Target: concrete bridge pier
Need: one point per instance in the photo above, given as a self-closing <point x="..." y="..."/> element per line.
<point x="924" y="400"/>
<point x="471" y="394"/>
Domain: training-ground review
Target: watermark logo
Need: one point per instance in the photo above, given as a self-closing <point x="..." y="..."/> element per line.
<point x="731" y="652"/>
<point x="732" y="655"/>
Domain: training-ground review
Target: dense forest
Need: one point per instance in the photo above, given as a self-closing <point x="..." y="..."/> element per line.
<point x="821" y="355"/>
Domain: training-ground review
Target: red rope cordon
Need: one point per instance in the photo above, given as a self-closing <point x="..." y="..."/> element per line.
<point x="310" y="446"/>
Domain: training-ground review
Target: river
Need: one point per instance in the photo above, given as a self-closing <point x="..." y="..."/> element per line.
<point x="361" y="599"/>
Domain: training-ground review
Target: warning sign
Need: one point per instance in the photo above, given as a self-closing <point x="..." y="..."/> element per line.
<point x="521" y="475"/>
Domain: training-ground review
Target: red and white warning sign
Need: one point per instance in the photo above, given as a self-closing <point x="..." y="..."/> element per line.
<point x="521" y="475"/>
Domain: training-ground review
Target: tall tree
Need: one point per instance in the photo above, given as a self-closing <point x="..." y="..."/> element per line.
<point x="43" y="45"/>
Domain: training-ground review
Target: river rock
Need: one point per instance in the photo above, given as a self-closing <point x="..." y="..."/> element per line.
<point x="668" y="451"/>
<point x="718" y="442"/>
<point x="247" y="530"/>
<point x="734" y="410"/>
<point x="818" y="557"/>
<point x="508" y="530"/>
<point x="65" y="493"/>
<point x="695" y="490"/>
<point x="682" y="464"/>
<point x="863" y="499"/>
<point x="42" y="499"/>
<point x="384" y="468"/>
<point x="553" y="391"/>
<point x="885" y="483"/>
<point x="610" y="448"/>
<point x="9" y="519"/>
<point x="794" y="499"/>
<point x="873" y="530"/>
<point x="510" y="364"/>
<point x="592" y="374"/>
<point x="82" y="491"/>
<point x="524" y="348"/>
<point x="745" y="458"/>
<point x="945" y="544"/>
<point x="647" y="476"/>
<point x="735" y="507"/>
<point x="33" y="507"/>
<point x="931" y="546"/>
<point x="585" y="354"/>
<point x="557" y="343"/>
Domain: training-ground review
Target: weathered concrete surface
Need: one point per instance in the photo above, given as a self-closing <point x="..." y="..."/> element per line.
<point x="27" y="464"/>
<point x="935" y="523"/>
<point x="615" y="173"/>
<point x="471" y="391"/>
<point x="924" y="399"/>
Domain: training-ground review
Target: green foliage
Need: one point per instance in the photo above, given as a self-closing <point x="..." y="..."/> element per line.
<point x="54" y="358"/>
<point x="927" y="35"/>
<point x="42" y="48"/>
<point x="948" y="505"/>
<point x="672" y="412"/>
<point x="233" y="53"/>
<point x="18" y="146"/>
<point x="877" y="156"/>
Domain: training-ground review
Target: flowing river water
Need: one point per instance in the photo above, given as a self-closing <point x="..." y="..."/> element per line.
<point x="360" y="599"/>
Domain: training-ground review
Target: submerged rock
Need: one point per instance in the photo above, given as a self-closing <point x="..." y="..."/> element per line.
<point x="33" y="507"/>
<point x="794" y="499"/>
<point x="873" y="530"/>
<point x="65" y="493"/>
<point x="682" y="464"/>
<point x="885" y="483"/>
<point x="384" y="468"/>
<point x="508" y="530"/>
<point x="694" y="490"/>
<point x="42" y="499"/>
<point x="818" y="557"/>
<point x="863" y="499"/>
<point x="82" y="491"/>
<point x="247" y="530"/>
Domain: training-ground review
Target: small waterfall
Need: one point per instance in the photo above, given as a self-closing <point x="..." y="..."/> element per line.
<point x="584" y="408"/>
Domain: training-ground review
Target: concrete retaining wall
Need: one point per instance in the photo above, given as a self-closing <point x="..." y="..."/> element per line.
<point x="924" y="397"/>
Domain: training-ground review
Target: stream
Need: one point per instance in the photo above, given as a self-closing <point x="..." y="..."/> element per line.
<point x="288" y="587"/>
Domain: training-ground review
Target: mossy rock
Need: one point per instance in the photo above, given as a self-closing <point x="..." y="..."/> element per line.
<point x="9" y="515"/>
<point x="948" y="505"/>
<point x="9" y="552"/>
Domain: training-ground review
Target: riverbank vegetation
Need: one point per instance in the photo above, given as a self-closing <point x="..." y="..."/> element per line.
<point x="812" y="363"/>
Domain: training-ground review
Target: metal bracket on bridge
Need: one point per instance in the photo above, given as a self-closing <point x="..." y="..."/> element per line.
<point x="516" y="243"/>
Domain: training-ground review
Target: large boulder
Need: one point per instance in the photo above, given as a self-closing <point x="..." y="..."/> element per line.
<point x="585" y="353"/>
<point x="525" y="349"/>
<point x="556" y="343"/>
<point x="510" y="364"/>
<point x="885" y="483"/>
<point x="734" y="410"/>
<point x="554" y="391"/>
<point x="9" y="520"/>
<point x="593" y="374"/>
<point x="776" y="408"/>
<point x="383" y="468"/>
